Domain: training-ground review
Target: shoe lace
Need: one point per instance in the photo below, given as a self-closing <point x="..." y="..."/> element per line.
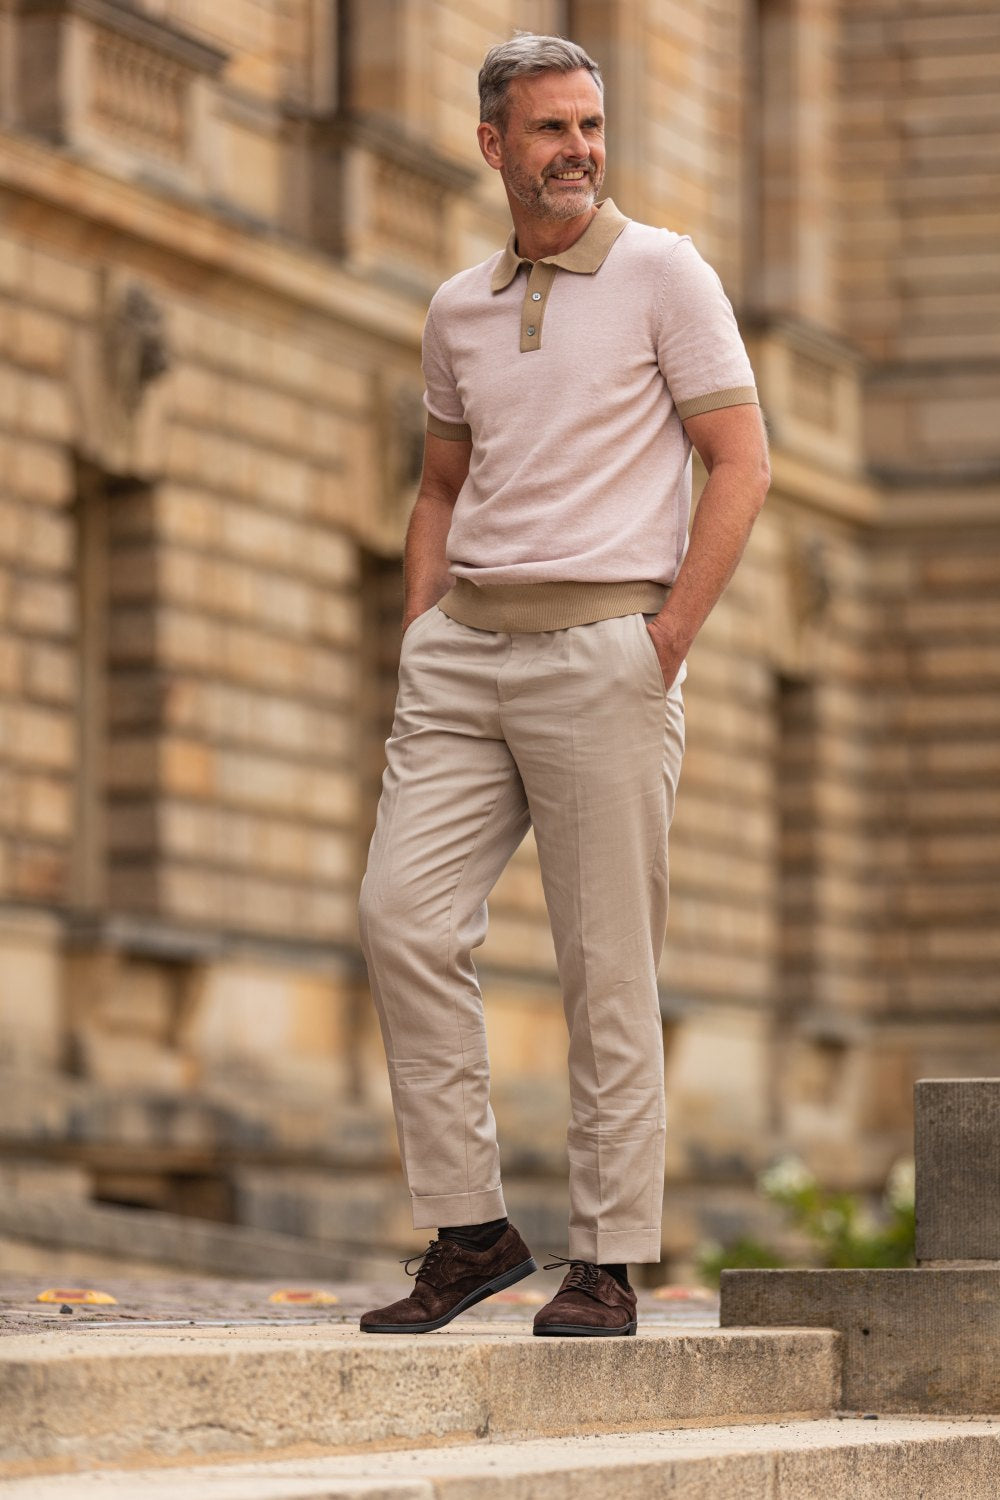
<point x="428" y="1259"/>
<point x="583" y="1275"/>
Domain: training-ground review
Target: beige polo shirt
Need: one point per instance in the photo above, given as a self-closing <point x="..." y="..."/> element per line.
<point x="571" y="375"/>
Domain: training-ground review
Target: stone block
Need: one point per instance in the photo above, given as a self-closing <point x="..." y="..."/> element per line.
<point x="957" y="1152"/>
<point x="698" y="970"/>
<point x="188" y="767"/>
<point x="10" y="794"/>
<point x="38" y="339"/>
<point x="169" y="1240"/>
<point x="195" y="391"/>
<point x="11" y="524"/>
<point x="47" y="807"/>
<point x="62" y="284"/>
<point x="13" y="263"/>
<point x="328" y="914"/>
<point x="39" y="873"/>
<point x="182" y="514"/>
<point x="42" y="606"/>
<point x="921" y="1339"/>
<point x="11" y="657"/>
<point x="281" y="482"/>
<point x="30" y="1179"/>
<point x="180" y="638"/>
<point x="133" y="764"/>
<point x="41" y="472"/>
<point x="360" y="1208"/>
<point x="136" y="573"/>
<point x="41" y="737"/>
<point x="276" y="1027"/>
<point x="44" y="409"/>
<point x="47" y="539"/>
<point x="131" y="1063"/>
<point x="30" y="999"/>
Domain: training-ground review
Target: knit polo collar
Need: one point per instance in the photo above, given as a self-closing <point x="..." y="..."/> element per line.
<point x="587" y="254"/>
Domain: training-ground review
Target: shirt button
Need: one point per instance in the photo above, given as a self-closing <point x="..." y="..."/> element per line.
<point x="531" y="333"/>
<point x="536" y="296"/>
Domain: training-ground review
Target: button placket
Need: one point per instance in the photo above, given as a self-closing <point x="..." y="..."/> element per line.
<point x="536" y="296"/>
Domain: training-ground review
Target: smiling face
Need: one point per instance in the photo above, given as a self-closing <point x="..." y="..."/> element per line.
<point x="551" y="154"/>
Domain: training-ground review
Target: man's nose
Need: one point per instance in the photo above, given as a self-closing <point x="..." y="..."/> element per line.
<point x="576" y="146"/>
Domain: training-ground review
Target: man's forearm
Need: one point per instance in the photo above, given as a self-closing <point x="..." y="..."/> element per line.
<point x="425" y="569"/>
<point x="729" y="505"/>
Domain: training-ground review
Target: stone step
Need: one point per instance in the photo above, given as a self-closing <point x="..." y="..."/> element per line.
<point x="175" y="1241"/>
<point x="849" y="1459"/>
<point x="106" y="1396"/>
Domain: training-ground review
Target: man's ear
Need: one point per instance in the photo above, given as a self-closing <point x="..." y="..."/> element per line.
<point x="489" y="144"/>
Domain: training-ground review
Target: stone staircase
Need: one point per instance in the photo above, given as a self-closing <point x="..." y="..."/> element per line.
<point x="483" y="1410"/>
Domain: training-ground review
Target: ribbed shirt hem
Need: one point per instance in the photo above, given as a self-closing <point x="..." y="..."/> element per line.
<point x="520" y="608"/>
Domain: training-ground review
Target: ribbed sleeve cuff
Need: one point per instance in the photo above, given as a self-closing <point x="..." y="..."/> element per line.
<point x="737" y="395"/>
<point x="452" y="432"/>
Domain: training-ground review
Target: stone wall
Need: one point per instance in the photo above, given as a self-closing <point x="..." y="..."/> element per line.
<point x="219" y="229"/>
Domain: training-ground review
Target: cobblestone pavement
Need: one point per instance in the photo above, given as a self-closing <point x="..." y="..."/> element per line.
<point x="186" y="1301"/>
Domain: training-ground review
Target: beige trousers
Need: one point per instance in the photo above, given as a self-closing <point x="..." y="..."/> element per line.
<point x="573" y="733"/>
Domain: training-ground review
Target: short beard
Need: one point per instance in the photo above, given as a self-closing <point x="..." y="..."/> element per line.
<point x="530" y="193"/>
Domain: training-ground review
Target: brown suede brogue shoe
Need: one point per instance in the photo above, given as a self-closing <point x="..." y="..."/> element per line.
<point x="589" y="1304"/>
<point x="450" y="1279"/>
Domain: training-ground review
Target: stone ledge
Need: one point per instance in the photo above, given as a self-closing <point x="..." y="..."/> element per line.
<point x="51" y="186"/>
<point x="915" y="1339"/>
<point x="173" y="1240"/>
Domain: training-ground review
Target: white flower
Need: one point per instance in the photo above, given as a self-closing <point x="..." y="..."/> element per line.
<point x="900" y="1185"/>
<point x="789" y="1175"/>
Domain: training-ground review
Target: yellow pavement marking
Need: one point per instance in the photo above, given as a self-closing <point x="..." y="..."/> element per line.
<point x="77" y="1294"/>
<point x="683" y="1294"/>
<point x="304" y="1298"/>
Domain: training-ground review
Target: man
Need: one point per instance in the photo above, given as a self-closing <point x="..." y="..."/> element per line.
<point x="551" y="599"/>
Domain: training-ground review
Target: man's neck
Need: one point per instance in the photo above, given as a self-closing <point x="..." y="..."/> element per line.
<point x="537" y="238"/>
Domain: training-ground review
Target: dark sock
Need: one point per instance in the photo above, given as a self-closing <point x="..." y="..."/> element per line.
<point x="620" y="1273"/>
<point x="475" y="1236"/>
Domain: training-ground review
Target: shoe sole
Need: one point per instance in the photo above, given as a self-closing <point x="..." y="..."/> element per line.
<point x="574" y="1331"/>
<point x="498" y="1284"/>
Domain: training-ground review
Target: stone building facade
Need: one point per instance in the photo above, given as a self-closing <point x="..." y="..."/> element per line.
<point x="220" y="226"/>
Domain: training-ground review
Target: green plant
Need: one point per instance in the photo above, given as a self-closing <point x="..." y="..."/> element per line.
<point x="840" y="1226"/>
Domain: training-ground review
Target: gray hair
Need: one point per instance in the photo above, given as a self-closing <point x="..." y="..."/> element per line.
<point x="525" y="56"/>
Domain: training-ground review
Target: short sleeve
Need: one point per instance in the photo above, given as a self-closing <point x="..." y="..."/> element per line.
<point x="699" y="348"/>
<point x="445" y="417"/>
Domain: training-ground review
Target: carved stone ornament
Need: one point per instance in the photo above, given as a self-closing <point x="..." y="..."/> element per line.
<point x="809" y="581"/>
<point x="117" y="367"/>
<point x="135" y="347"/>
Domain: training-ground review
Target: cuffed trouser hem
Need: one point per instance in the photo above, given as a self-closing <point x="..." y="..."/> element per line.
<point x="616" y="1246"/>
<point x="449" y="1209"/>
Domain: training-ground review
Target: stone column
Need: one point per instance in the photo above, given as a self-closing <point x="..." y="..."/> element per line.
<point x="792" y="118"/>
